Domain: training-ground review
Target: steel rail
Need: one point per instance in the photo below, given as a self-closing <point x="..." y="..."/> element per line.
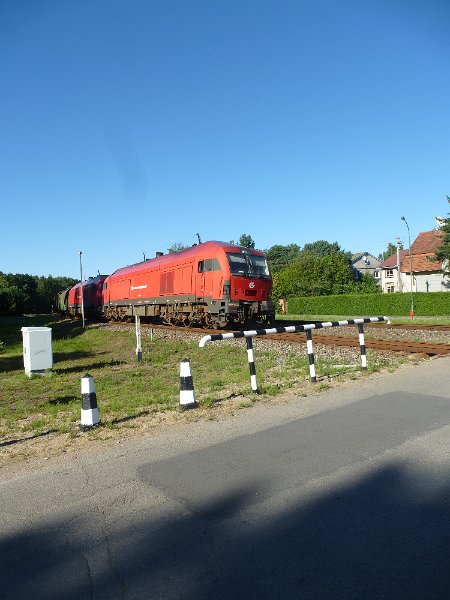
<point x="429" y="348"/>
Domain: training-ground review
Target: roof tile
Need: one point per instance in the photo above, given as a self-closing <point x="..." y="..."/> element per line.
<point x="427" y="241"/>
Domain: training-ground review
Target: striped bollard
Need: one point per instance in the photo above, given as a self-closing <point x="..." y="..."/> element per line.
<point x="138" y="339"/>
<point x="362" y="345"/>
<point x="187" y="396"/>
<point x="251" y="364"/>
<point x="89" y="412"/>
<point x="310" y="349"/>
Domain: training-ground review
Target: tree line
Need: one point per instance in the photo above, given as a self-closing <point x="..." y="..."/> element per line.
<point x="20" y="294"/>
<point x="316" y="269"/>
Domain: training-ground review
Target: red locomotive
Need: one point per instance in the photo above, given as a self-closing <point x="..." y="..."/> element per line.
<point x="92" y="298"/>
<point x="210" y="284"/>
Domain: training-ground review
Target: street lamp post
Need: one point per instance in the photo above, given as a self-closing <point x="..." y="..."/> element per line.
<point x="411" y="312"/>
<point x="81" y="289"/>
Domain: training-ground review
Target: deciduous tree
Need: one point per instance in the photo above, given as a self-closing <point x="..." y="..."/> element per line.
<point x="322" y="247"/>
<point x="279" y="256"/>
<point x="246" y="241"/>
<point x="390" y="250"/>
<point x="442" y="254"/>
<point x="176" y="247"/>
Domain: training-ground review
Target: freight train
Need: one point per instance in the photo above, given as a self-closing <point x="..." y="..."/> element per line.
<point x="68" y="301"/>
<point x="211" y="284"/>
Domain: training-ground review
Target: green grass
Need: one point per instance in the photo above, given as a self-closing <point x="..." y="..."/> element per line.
<point x="126" y="390"/>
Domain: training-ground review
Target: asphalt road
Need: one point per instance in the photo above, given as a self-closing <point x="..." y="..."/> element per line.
<point x="341" y="495"/>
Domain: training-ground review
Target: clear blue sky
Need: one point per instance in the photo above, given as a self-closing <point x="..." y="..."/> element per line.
<point x="127" y="126"/>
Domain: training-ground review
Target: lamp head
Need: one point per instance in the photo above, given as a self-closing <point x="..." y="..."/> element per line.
<point x="403" y="218"/>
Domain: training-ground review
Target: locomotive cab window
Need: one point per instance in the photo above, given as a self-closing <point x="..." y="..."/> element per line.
<point x="208" y="264"/>
<point x="248" y="264"/>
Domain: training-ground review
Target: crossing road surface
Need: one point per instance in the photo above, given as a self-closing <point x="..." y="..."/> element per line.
<point x="341" y="495"/>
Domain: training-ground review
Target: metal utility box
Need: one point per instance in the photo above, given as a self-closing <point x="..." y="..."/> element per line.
<point x="37" y="349"/>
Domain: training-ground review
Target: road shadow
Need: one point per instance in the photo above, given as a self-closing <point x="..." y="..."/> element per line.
<point x="27" y="438"/>
<point x="302" y="510"/>
<point x="64" y="400"/>
<point x="66" y="329"/>
<point x="88" y="367"/>
<point x="141" y="413"/>
<point x="384" y="537"/>
<point x="14" y="362"/>
<point x="61" y="328"/>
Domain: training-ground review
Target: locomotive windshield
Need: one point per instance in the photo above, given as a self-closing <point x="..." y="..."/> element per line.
<point x="248" y="264"/>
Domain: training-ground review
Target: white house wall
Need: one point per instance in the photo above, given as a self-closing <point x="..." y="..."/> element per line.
<point x="436" y="282"/>
<point x="385" y="281"/>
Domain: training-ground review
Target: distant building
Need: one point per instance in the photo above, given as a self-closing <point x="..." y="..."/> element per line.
<point x="365" y="263"/>
<point x="427" y="275"/>
<point x="390" y="280"/>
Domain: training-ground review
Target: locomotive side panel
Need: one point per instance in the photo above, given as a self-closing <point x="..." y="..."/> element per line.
<point x="141" y="285"/>
<point x="210" y="284"/>
<point x="210" y="278"/>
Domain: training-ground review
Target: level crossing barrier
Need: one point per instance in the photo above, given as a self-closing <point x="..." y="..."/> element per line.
<point x="308" y="329"/>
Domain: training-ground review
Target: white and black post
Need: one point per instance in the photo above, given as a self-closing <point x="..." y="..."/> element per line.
<point x="362" y="345"/>
<point x="138" y="339"/>
<point x="187" y="396"/>
<point x="251" y="364"/>
<point x="89" y="412"/>
<point x="310" y="349"/>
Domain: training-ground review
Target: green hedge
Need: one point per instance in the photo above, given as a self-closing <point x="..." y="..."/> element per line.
<point x="425" y="304"/>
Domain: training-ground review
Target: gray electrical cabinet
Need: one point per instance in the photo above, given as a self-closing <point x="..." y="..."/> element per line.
<point x="37" y="350"/>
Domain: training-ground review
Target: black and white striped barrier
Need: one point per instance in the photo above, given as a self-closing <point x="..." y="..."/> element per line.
<point x="300" y="329"/>
<point x="362" y="345"/>
<point x="310" y="350"/>
<point x="187" y="395"/>
<point x="89" y="411"/>
<point x="138" y="339"/>
<point x="251" y="364"/>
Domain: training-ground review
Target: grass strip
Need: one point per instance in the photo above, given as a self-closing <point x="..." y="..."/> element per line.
<point x="126" y="390"/>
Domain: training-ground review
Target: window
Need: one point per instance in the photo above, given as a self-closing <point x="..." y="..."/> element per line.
<point x="389" y="273"/>
<point x="390" y="289"/>
<point x="247" y="264"/>
<point x="376" y="274"/>
<point x="208" y="264"/>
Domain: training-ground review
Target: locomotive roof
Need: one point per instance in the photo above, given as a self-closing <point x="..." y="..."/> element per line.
<point x="186" y="253"/>
<point x="91" y="280"/>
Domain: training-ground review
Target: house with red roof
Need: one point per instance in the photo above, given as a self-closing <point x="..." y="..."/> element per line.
<point x="390" y="278"/>
<point x="426" y="275"/>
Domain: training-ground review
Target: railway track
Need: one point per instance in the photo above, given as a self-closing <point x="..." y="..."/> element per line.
<point x="407" y="346"/>
<point x="429" y="348"/>
<point x="393" y="326"/>
<point x="411" y="326"/>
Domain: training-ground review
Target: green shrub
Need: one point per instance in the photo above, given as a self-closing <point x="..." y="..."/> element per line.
<point x="425" y="304"/>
